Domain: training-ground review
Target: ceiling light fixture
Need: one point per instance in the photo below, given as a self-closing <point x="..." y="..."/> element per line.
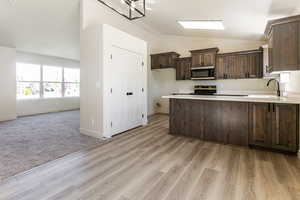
<point x="131" y="11"/>
<point x="203" y="24"/>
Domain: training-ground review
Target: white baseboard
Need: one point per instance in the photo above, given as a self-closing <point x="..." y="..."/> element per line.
<point x="8" y="118"/>
<point x="92" y="133"/>
<point x="45" y="112"/>
<point x="145" y="122"/>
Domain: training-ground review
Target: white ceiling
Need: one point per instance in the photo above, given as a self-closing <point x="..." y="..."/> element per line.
<point x="51" y="27"/>
<point x="243" y="19"/>
<point x="48" y="27"/>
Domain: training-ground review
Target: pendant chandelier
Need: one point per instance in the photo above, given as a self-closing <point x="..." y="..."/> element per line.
<point x="130" y="9"/>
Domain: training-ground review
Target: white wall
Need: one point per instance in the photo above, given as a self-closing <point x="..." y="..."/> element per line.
<point x="293" y="86"/>
<point x="91" y="87"/>
<point x="8" y="83"/>
<point x="38" y="106"/>
<point x="96" y="102"/>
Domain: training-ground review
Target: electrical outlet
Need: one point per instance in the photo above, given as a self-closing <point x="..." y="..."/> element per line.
<point x="93" y="122"/>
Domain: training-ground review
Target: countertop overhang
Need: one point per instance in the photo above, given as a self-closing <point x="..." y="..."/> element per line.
<point x="250" y="98"/>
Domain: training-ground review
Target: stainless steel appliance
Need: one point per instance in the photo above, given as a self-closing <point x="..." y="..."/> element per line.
<point x="203" y="73"/>
<point x="205" y="89"/>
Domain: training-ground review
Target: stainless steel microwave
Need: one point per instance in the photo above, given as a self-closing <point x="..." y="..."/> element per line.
<point x="203" y="73"/>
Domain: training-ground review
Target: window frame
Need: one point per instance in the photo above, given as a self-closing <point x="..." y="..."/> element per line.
<point x="69" y="82"/>
<point x="42" y="82"/>
<point x="41" y="77"/>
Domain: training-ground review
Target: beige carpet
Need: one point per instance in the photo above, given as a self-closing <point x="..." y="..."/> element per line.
<point x="31" y="141"/>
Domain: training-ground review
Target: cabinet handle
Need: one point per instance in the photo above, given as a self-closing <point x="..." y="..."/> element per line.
<point x="273" y="107"/>
<point x="269" y="107"/>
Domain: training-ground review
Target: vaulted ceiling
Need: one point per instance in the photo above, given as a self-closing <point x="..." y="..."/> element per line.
<point x="51" y="27"/>
<point x="243" y="19"/>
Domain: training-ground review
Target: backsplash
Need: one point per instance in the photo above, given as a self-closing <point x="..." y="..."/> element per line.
<point x="164" y="83"/>
<point x="292" y="87"/>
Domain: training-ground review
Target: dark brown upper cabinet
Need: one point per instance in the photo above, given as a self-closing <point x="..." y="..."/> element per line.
<point x="204" y="57"/>
<point x="240" y="65"/>
<point x="183" y="68"/>
<point x="164" y="60"/>
<point x="274" y="126"/>
<point x="283" y="37"/>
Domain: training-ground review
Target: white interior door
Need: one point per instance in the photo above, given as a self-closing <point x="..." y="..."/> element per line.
<point x="126" y="104"/>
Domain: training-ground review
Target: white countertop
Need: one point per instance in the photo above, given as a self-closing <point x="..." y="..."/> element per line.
<point x="249" y="98"/>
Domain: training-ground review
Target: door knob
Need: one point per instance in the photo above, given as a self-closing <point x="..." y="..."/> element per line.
<point x="129" y="93"/>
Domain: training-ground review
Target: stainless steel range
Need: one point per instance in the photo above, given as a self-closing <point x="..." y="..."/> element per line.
<point x="205" y="89"/>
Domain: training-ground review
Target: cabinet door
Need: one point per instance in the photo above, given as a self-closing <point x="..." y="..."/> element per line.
<point x="183" y="69"/>
<point x="220" y="67"/>
<point x="163" y="61"/>
<point x="235" y="126"/>
<point x="255" y="68"/>
<point x="270" y="53"/>
<point x="208" y="59"/>
<point x="155" y="62"/>
<point x="242" y="66"/>
<point x="195" y="119"/>
<point x="260" y="117"/>
<point x="230" y="69"/>
<point x="178" y="116"/>
<point x="212" y="122"/>
<point x="197" y="60"/>
<point x="179" y="70"/>
<point x="187" y="63"/>
<point x="286" y="52"/>
<point x="285" y="127"/>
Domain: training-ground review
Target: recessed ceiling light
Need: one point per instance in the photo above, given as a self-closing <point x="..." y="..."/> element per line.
<point x="203" y="24"/>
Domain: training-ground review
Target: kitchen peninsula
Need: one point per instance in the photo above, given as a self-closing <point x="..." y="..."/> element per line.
<point x="269" y="122"/>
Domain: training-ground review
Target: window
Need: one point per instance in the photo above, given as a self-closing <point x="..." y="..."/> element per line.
<point x="28" y="81"/>
<point x="36" y="81"/>
<point x="52" y="81"/>
<point x="71" y="82"/>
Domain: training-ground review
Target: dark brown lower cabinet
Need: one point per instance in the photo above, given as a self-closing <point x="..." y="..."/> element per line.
<point x="178" y="113"/>
<point x="268" y="125"/>
<point x="260" y="121"/>
<point x="235" y="122"/>
<point x="274" y="126"/>
<point x="218" y="121"/>
<point x="212" y="123"/>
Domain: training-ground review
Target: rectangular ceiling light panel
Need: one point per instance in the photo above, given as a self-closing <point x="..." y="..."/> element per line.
<point x="203" y="24"/>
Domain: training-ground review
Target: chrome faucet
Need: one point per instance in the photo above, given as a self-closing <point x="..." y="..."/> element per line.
<point x="278" y="85"/>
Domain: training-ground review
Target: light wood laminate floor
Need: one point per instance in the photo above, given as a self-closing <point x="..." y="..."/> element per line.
<point x="147" y="163"/>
